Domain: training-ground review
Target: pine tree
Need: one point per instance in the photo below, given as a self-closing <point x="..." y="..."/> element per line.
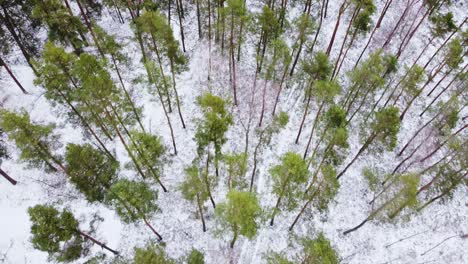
<point x="236" y="168"/>
<point x="237" y="14"/>
<point x="320" y="191"/>
<point x="16" y="16"/>
<point x="265" y="136"/>
<point x="360" y="22"/>
<point x="160" y="39"/>
<point x="318" y="69"/>
<point x="58" y="234"/>
<point x="151" y="254"/>
<point x="212" y="129"/>
<point x="384" y="129"/>
<point x="288" y="178"/>
<point x="62" y="24"/>
<point x="149" y="150"/>
<point x="403" y="192"/>
<point x="12" y="75"/>
<point x="133" y="201"/>
<point x="197" y="188"/>
<point x="239" y="214"/>
<point x="91" y="171"/>
<point x="305" y="27"/>
<point x="325" y="92"/>
<point x="319" y="250"/>
<point x="36" y="142"/>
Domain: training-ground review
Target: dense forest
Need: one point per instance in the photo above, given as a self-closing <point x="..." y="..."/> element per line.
<point x="233" y="131"/>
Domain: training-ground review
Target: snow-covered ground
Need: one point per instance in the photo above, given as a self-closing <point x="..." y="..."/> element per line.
<point x="373" y="243"/>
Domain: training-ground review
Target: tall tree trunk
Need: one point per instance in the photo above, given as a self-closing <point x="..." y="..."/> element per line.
<point x="181" y="26"/>
<point x="348" y="29"/>
<point x="379" y="21"/>
<point x="200" y="209"/>
<point x="2" y="63"/>
<point x="317" y="116"/>
<point x="361" y="150"/>
<point x="102" y="245"/>
<point x="343" y="7"/>
<point x="152" y="229"/>
<point x="233" y="61"/>
<point x="207" y="182"/>
<point x="306" y="109"/>
<point x="7" y="177"/>
<point x="10" y="27"/>
<point x="198" y="19"/>
<point x="176" y="93"/>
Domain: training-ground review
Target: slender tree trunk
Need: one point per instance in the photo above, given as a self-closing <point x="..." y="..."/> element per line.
<point x="152" y="229"/>
<point x="198" y="19"/>
<point x="263" y="102"/>
<point x="356" y="227"/>
<point x="441" y="92"/>
<point x="361" y="150"/>
<point x="275" y="210"/>
<point x="7" y="177"/>
<point x="200" y="209"/>
<point x="233" y="61"/>
<point x="280" y="89"/>
<point x="2" y="63"/>
<point x="129" y="98"/>
<point x="306" y="110"/>
<point x="90" y="28"/>
<point x="443" y="143"/>
<point x="348" y="29"/>
<point x="400" y="20"/>
<point x="166" y="88"/>
<point x="86" y="124"/>
<point x="340" y="13"/>
<point x="317" y="116"/>
<point x="207" y="182"/>
<point x="102" y="245"/>
<point x="234" y="239"/>
<point x="160" y="96"/>
<point x="379" y="21"/>
<point x="176" y="94"/>
<point x="10" y="27"/>
<point x="181" y="26"/>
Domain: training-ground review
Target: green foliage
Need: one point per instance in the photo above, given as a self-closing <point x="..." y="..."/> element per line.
<point x="326" y="90"/>
<point x="277" y="258"/>
<point x="372" y="178"/>
<point x="268" y="23"/>
<point x="109" y="44"/>
<point x="55" y="233"/>
<point x="362" y="21"/>
<point x="154" y="26"/>
<point x="151" y="254"/>
<point x="454" y="54"/>
<point x="91" y="171"/>
<point x="195" y="257"/>
<point x="236" y="167"/>
<point x="404" y="195"/>
<point x="215" y="124"/>
<point x="194" y="184"/>
<point x="319" y="67"/>
<point x="442" y="24"/>
<point x="386" y="125"/>
<point x="288" y="178"/>
<point x="148" y="149"/>
<point x="240" y="213"/>
<point x="369" y="74"/>
<point x="62" y="26"/>
<point x="336" y="135"/>
<point x="36" y="142"/>
<point x="132" y="200"/>
<point x="319" y="250"/>
<point x="414" y="77"/>
<point x="327" y="189"/>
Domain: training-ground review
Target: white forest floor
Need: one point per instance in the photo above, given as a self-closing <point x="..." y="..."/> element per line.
<point x="177" y="223"/>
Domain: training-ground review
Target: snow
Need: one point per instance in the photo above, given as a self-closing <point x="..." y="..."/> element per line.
<point x="177" y="223"/>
